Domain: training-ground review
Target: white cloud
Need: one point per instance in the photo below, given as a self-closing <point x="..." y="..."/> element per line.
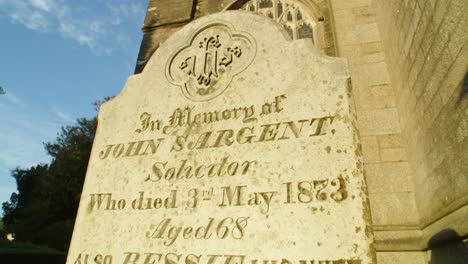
<point x="72" y="31"/>
<point x="94" y="25"/>
<point x="34" y="14"/>
<point x="34" y="20"/>
<point x="13" y="99"/>
<point x="62" y="115"/>
<point x="127" y="10"/>
<point x="44" y="5"/>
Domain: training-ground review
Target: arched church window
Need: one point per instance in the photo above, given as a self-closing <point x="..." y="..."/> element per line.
<point x="265" y="4"/>
<point x="296" y="20"/>
<point x="289" y="30"/>
<point x="280" y="8"/>
<point x="305" y="31"/>
<point x="299" y="15"/>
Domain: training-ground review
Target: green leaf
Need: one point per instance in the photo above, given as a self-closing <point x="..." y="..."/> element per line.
<point x="2" y="91"/>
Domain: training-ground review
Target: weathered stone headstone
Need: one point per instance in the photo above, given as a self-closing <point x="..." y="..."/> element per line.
<point x="235" y="145"/>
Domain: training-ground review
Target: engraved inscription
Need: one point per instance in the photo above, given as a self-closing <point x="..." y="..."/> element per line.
<point x="252" y="131"/>
<point x="214" y="229"/>
<point x="133" y="257"/>
<point x="184" y="130"/>
<point x="205" y="67"/>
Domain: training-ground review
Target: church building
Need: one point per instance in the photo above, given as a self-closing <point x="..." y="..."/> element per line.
<point x="408" y="61"/>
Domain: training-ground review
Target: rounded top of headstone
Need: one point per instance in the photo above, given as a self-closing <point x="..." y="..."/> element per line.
<point x="205" y="56"/>
<point x="238" y="22"/>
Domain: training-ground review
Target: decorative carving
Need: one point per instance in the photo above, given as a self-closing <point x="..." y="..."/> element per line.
<point x="205" y="67"/>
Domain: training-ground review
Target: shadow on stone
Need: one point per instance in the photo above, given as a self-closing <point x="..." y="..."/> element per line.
<point x="238" y="4"/>
<point x="464" y="89"/>
<point x="448" y="248"/>
<point x="37" y="258"/>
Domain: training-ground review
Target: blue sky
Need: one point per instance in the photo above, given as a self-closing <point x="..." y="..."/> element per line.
<point x="56" y="58"/>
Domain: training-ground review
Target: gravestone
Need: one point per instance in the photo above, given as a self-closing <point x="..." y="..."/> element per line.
<point x="235" y="145"/>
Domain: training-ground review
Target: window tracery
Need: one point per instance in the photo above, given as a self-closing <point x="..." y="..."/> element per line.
<point x="296" y="21"/>
<point x="265" y="4"/>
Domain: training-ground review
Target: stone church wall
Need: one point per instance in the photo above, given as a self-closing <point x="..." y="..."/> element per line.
<point x="387" y="169"/>
<point x="426" y="43"/>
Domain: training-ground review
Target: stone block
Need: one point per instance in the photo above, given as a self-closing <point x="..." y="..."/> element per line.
<point x="346" y="37"/>
<point x="206" y="7"/>
<point x="405" y="102"/>
<point x="374" y="73"/>
<point x="368" y="32"/>
<point x="442" y="194"/>
<point x="391" y="141"/>
<point x="433" y="108"/>
<point x="393" y="154"/>
<point x="462" y="130"/>
<point x="458" y="38"/>
<point x="393" y="208"/>
<point x="439" y="12"/>
<point x="379" y="122"/>
<point x="451" y="86"/>
<point x="367" y="101"/>
<point x="402" y="258"/>
<point x="414" y="22"/>
<point x="429" y="37"/>
<point x="373" y="57"/>
<point x="363" y="15"/>
<point x="349" y="52"/>
<point x="346" y="4"/>
<point x="344" y="19"/>
<point x="371" y="52"/>
<point x="382" y="90"/>
<point x="163" y="12"/>
<point x="370" y="149"/>
<point x="388" y="177"/>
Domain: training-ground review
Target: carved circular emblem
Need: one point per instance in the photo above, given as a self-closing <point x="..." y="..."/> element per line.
<point x="205" y="66"/>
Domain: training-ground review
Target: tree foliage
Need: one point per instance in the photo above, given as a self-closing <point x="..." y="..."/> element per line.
<point x="43" y="210"/>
